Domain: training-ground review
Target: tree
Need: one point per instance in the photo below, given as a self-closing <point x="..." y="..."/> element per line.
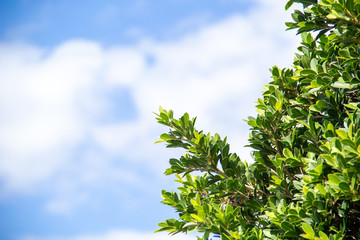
<point x="304" y="181"/>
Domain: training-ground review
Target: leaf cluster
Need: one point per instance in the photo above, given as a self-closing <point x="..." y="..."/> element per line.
<point x="304" y="181"/>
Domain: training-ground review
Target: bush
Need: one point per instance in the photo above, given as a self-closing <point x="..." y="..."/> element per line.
<point x="304" y="181"/>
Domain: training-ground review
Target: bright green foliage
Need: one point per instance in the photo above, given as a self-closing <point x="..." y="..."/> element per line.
<point x="304" y="181"/>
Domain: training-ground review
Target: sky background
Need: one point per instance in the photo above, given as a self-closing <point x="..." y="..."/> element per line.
<point x="79" y="82"/>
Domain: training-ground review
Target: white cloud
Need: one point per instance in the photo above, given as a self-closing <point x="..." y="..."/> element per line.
<point x="50" y="101"/>
<point x="123" y="65"/>
<point x="40" y="122"/>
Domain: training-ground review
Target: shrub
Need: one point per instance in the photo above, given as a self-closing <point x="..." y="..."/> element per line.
<point x="304" y="181"/>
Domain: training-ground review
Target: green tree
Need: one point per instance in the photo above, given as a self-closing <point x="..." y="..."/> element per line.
<point x="304" y="181"/>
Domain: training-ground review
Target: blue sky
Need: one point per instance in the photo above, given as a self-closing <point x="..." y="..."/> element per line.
<point x="110" y="22"/>
<point x="79" y="82"/>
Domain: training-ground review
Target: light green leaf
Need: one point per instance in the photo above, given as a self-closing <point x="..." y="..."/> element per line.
<point x="165" y="136"/>
<point x="339" y="84"/>
<point x="321" y="104"/>
<point x="287" y="153"/>
<point x="320" y="188"/>
<point x="342" y="133"/>
<point x="313" y="64"/>
<point x="334" y="179"/>
<point x="197" y="218"/>
<point x="323" y="236"/>
<point x="330" y="160"/>
<point x="315" y="108"/>
<point x="310" y="234"/>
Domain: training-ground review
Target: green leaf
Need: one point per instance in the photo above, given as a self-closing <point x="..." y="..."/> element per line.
<point x="339" y="84"/>
<point x="321" y="188"/>
<point x="228" y="209"/>
<point x="308" y="72"/>
<point x="334" y="179"/>
<point x="321" y="104"/>
<point x="342" y="133"/>
<point x="287" y="153"/>
<point x="344" y="186"/>
<point x="275" y="71"/>
<point x="190" y="224"/>
<point x="185" y="118"/>
<point x="323" y="236"/>
<point x="253" y="204"/>
<point x="165" y="136"/>
<point x="315" y="108"/>
<point x="330" y="160"/>
<point x="313" y="64"/>
<point x="197" y="218"/>
<point x="286" y="226"/>
<point x="164" y="117"/>
<point x="310" y="234"/>
<point x="288" y="5"/>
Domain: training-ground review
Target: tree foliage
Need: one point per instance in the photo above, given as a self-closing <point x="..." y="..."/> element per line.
<point x="304" y="181"/>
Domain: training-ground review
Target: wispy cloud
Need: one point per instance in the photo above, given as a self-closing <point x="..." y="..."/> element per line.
<point x="55" y="104"/>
